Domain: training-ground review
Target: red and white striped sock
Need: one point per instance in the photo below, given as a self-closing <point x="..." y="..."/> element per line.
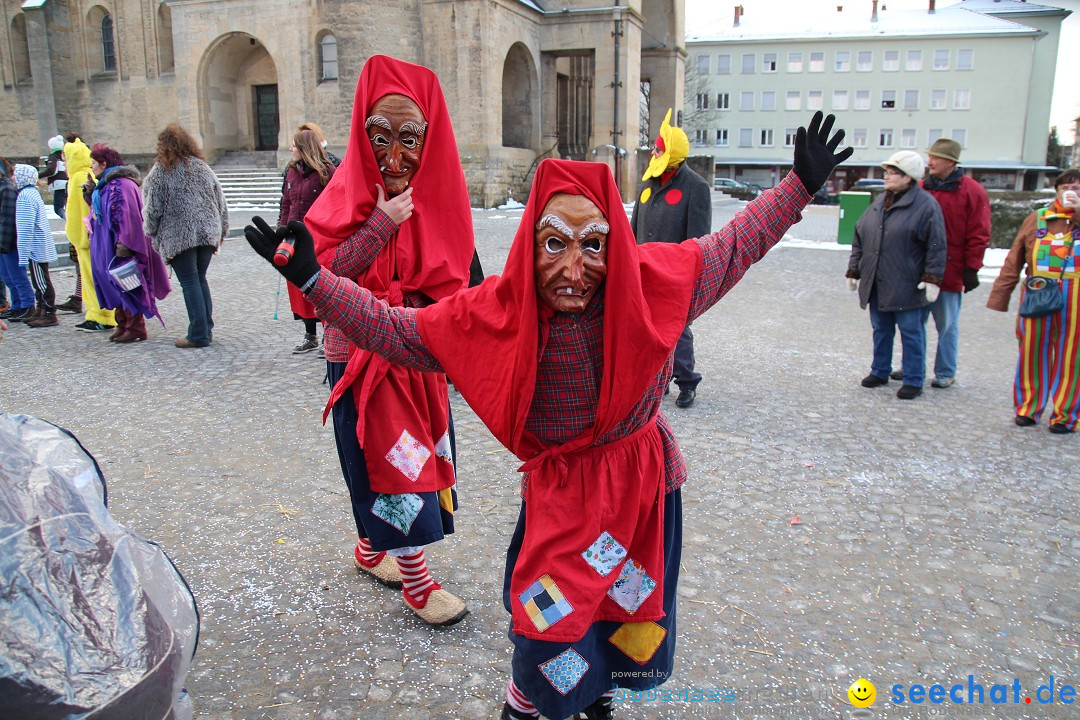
<point x="518" y="702"/>
<point x="365" y="555"/>
<point x="416" y="582"/>
<point x="609" y="696"/>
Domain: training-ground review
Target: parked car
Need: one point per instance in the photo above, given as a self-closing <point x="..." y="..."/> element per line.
<point x="736" y="188"/>
<point x="868" y="184"/>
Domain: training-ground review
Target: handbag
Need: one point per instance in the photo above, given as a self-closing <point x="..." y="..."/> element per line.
<point x="1042" y="296"/>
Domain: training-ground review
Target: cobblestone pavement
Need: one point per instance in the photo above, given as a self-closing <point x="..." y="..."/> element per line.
<point x="831" y="532"/>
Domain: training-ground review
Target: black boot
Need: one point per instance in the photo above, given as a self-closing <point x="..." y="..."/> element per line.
<point x="509" y="713"/>
<point x="602" y="709"/>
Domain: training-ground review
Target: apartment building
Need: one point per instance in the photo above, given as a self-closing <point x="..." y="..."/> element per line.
<point x="978" y="71"/>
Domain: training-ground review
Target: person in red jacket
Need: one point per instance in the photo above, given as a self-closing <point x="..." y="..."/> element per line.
<point x="966" y="208"/>
<point x="309" y="171"/>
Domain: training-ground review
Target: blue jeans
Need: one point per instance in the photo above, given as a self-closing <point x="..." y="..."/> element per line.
<point x="190" y="267"/>
<point x="17" y="281"/>
<point x="912" y="341"/>
<point x="946" y="312"/>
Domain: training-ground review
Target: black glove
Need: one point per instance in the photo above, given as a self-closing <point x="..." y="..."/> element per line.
<point x="814" y="152"/>
<point x="265" y="240"/>
<point x="971" y="279"/>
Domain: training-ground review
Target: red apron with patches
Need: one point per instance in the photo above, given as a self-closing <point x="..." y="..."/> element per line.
<point x="593" y="546"/>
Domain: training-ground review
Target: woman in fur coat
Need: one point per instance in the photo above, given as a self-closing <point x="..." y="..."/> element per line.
<point x="186" y="215"/>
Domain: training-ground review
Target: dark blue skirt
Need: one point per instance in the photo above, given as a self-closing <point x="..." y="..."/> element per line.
<point x="387" y="521"/>
<point x="563" y="678"/>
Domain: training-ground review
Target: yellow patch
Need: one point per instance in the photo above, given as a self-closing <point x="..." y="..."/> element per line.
<point x="639" y="640"/>
<point x="446" y="500"/>
<point x="645" y="195"/>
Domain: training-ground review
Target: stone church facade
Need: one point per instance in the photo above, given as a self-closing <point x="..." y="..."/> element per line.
<point x="524" y="79"/>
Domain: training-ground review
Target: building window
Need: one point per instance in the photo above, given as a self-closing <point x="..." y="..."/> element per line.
<point x="793" y="101"/>
<point x="885" y="138"/>
<point x="748" y="64"/>
<point x="723" y="64"/>
<point x="723" y="101"/>
<point x="858" y="137"/>
<point x="907" y="138"/>
<point x="862" y="99"/>
<point x="768" y="100"/>
<point x="703" y="64"/>
<point x="941" y="59"/>
<point x="839" y="99"/>
<point x="933" y="134"/>
<point x="890" y="61"/>
<point x="701" y="137"/>
<point x="842" y="61"/>
<point x="746" y="137"/>
<point x="794" y="62"/>
<point x="328" y="57"/>
<point x="961" y="100"/>
<point x="766" y="138"/>
<point x="813" y="99"/>
<point x="888" y="99"/>
<point x="911" y="99"/>
<point x="960" y="136"/>
<point x="701" y="101"/>
<point x="721" y="137"/>
<point x="937" y="99"/>
<point x="789" y="137"/>
<point x="746" y="100"/>
<point x="864" y="61"/>
<point x="21" y="47"/>
<point x="768" y="63"/>
<point x="817" y="62"/>
<point x="108" y="44"/>
<point x="914" y="60"/>
<point x="965" y="59"/>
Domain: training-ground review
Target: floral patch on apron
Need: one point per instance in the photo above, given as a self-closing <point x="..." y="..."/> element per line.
<point x="605" y="554"/>
<point x="408" y="455"/>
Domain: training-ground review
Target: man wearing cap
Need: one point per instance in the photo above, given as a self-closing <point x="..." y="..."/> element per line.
<point x="897" y="262"/>
<point x="674" y="205"/>
<point x="966" y="209"/>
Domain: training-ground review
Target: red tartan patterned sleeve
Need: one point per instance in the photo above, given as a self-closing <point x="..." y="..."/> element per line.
<point x="729" y="253"/>
<point x="371" y="324"/>
<point x="358" y="252"/>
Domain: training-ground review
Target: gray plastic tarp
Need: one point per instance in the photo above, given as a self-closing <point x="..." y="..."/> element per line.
<point x="95" y="620"/>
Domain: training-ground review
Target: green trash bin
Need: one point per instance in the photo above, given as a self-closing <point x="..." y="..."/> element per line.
<point x="852" y="206"/>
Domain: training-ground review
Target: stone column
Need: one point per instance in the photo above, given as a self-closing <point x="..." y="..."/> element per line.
<point x="37" y="38"/>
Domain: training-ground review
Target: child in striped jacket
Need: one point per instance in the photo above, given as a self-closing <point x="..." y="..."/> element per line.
<point x="35" y="243"/>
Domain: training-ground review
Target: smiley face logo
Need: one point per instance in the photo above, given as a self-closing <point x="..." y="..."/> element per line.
<point x="862" y="693"/>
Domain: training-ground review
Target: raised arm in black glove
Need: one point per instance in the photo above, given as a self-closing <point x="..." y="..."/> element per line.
<point x="265" y="240"/>
<point x="815" y="155"/>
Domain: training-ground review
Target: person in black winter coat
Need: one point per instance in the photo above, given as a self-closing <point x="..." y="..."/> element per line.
<point x="897" y="264"/>
<point x="674" y="205"/>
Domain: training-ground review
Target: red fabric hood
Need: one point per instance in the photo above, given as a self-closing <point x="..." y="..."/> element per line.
<point x="486" y="337"/>
<point x="432" y="250"/>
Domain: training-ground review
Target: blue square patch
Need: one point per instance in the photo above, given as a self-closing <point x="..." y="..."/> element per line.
<point x="632" y="588"/>
<point x="398" y="510"/>
<point x="565" y="670"/>
<point x="605" y="554"/>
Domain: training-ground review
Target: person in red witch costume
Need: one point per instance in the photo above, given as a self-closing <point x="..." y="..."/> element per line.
<point x="395" y="219"/>
<point x="565" y="357"/>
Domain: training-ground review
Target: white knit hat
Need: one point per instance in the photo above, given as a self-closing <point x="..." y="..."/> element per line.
<point x="908" y="162"/>
<point x="56" y="142"/>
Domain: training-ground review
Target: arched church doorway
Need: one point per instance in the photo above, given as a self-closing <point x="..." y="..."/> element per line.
<point x="238" y="96"/>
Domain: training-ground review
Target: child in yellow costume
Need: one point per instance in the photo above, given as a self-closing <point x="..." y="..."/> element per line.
<point x="77" y="157"/>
